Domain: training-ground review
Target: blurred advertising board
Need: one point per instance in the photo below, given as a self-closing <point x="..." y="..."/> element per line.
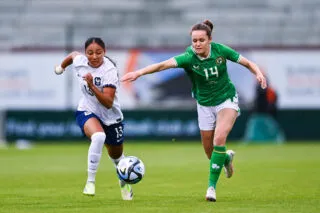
<point x="27" y="80"/>
<point x="61" y="125"/>
<point x="294" y="74"/>
<point x="151" y="125"/>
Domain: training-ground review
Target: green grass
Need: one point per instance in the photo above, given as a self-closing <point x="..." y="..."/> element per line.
<point x="268" y="178"/>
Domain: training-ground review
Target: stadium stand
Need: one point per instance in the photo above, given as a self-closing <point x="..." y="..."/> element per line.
<point x="155" y="23"/>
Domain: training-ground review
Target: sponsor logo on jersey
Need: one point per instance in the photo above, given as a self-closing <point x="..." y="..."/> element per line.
<point x="97" y="81"/>
<point x="196" y="66"/>
<point x="219" y="60"/>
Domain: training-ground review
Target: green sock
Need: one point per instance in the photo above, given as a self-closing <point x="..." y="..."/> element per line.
<point x="218" y="158"/>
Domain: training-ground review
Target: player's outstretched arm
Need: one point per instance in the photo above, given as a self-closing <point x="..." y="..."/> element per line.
<point x="255" y="70"/>
<point x="59" y="69"/>
<point x="132" y="76"/>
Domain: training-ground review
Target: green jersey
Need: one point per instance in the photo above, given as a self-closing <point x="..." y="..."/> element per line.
<point x="211" y="84"/>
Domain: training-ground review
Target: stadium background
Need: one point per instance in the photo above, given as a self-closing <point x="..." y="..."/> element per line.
<point x="281" y="37"/>
<point x="43" y="166"/>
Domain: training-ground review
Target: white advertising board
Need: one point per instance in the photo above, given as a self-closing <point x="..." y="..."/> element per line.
<point x="27" y="81"/>
<point x="294" y="74"/>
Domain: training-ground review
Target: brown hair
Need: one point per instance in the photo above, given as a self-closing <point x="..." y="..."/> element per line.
<point x="206" y="26"/>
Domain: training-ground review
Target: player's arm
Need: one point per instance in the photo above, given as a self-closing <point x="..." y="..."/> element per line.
<point x="253" y="67"/>
<point x="167" y="64"/>
<point x="59" y="69"/>
<point x="106" y="96"/>
<point x="234" y="56"/>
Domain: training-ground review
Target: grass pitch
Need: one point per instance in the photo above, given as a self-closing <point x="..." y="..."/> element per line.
<point x="49" y="178"/>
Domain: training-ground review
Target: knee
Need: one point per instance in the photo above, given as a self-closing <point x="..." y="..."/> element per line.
<point x="220" y="139"/>
<point x="98" y="136"/>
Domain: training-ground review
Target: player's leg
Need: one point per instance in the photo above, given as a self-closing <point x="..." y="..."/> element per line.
<point x="114" y="142"/>
<point x="94" y="131"/>
<point x="114" y="145"/>
<point x="207" y="120"/>
<point x="116" y="154"/>
<point x="207" y="141"/>
<point x="225" y="121"/>
<point x="207" y="124"/>
<point x="229" y="104"/>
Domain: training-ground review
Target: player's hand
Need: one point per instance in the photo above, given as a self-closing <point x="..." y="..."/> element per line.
<point x="89" y="79"/>
<point x="131" y="76"/>
<point x="58" y="70"/>
<point x="262" y="80"/>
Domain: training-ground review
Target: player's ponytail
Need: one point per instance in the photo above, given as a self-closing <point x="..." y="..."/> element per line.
<point x="206" y="25"/>
<point x="209" y="24"/>
<point x="111" y="60"/>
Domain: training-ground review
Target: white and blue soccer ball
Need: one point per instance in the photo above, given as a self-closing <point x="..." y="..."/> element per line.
<point x="130" y="169"/>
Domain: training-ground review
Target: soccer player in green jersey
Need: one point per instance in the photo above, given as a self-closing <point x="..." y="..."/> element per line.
<point x="205" y="62"/>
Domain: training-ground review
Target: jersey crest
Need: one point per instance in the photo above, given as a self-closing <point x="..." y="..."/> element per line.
<point x="97" y="81"/>
<point x="220" y="60"/>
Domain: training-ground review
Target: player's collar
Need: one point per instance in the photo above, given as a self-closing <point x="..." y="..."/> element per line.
<point x="202" y="58"/>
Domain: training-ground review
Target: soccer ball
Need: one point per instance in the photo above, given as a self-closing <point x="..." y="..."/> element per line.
<point x="130" y="169"/>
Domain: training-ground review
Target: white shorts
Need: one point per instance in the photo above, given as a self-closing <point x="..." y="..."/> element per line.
<point x="207" y="115"/>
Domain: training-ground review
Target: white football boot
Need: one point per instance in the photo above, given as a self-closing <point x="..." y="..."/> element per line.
<point x="211" y="194"/>
<point x="89" y="189"/>
<point x="228" y="168"/>
<point x="126" y="190"/>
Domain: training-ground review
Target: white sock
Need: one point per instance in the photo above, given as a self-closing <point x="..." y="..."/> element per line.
<point x="115" y="163"/>
<point x="94" y="154"/>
